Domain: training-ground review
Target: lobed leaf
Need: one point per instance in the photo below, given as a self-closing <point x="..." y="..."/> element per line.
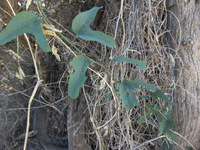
<point x="81" y="27"/>
<point x="78" y="78"/>
<point x="24" y="22"/>
<point x="126" y="91"/>
<point x="166" y="125"/>
<point x="161" y="95"/>
<point x="139" y="64"/>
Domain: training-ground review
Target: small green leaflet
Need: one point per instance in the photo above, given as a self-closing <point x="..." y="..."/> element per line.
<point x="141" y="120"/>
<point x="157" y="107"/>
<point x="24" y="22"/>
<point x="78" y="78"/>
<point x="166" y="144"/>
<point x="159" y="94"/>
<point x="166" y="125"/>
<point x="139" y="64"/>
<point x="126" y="91"/>
<point x="81" y="27"/>
<point x="188" y="148"/>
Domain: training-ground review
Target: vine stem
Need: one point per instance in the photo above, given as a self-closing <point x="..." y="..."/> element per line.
<point x="117" y="105"/>
<point x="63" y="37"/>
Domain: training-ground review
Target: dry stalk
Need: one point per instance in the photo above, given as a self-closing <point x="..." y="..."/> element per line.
<point x="29" y="110"/>
<point x="93" y="122"/>
<point x="138" y="30"/>
<point x="149" y="141"/>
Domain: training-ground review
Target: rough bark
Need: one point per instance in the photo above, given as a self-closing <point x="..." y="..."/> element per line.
<point x="184" y="38"/>
<point x="76" y="120"/>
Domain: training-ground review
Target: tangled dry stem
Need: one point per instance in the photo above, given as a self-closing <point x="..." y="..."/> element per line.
<point x="139" y="29"/>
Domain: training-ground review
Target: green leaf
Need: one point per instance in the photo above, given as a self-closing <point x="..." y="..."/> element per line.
<point x="171" y="124"/>
<point x="126" y="91"/>
<point x="141" y="120"/>
<point x="160" y="117"/>
<point x="166" y="125"/>
<point x="159" y="94"/>
<point x="81" y="27"/>
<point x="157" y="107"/>
<point x="150" y="112"/>
<point x="166" y="145"/>
<point x="149" y="106"/>
<point x="169" y="112"/>
<point x="78" y="78"/>
<point x="139" y="64"/>
<point x="143" y="96"/>
<point x="172" y="135"/>
<point x="188" y="148"/>
<point x="163" y="126"/>
<point x="24" y="22"/>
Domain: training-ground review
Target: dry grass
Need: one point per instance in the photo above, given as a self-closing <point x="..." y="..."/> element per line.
<point x="139" y="28"/>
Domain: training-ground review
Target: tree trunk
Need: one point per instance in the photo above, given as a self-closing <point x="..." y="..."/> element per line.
<point x="184" y="38"/>
<point x="76" y="121"/>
